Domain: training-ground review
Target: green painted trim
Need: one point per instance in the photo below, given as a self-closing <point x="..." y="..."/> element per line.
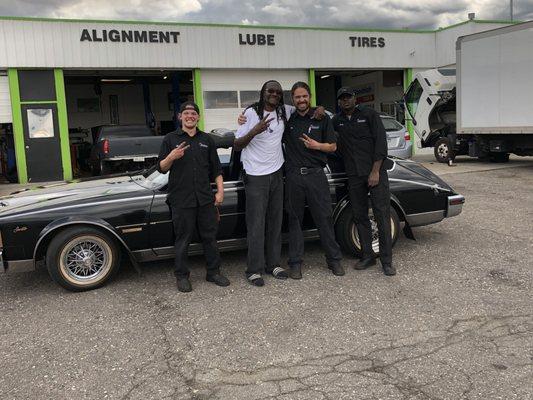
<point x="18" y="130"/>
<point x="62" y="118"/>
<point x="312" y="86"/>
<point x="39" y="102"/>
<point x="198" y="95"/>
<point x="199" y="24"/>
<point x="407" y="79"/>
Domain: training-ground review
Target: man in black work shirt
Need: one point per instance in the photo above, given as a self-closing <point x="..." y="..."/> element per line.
<point x="192" y="159"/>
<point x="363" y="146"/>
<point x="307" y="142"/>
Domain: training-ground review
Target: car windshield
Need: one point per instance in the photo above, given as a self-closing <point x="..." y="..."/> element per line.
<point x="412" y="97"/>
<point x="391" y="124"/>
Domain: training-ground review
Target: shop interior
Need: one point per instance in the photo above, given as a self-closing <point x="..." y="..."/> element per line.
<point x="96" y="98"/>
<point x="381" y="90"/>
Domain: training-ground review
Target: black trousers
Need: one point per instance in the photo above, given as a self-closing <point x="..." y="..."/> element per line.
<point x="186" y="221"/>
<point x="264" y="215"/>
<point x="380" y="198"/>
<point x="311" y="189"/>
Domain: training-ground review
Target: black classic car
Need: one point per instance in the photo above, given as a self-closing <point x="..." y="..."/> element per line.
<point x="80" y="229"/>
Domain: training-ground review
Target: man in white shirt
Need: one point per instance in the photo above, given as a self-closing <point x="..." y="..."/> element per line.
<point x="259" y="138"/>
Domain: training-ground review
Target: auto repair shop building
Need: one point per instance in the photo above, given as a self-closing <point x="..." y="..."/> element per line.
<point x="60" y="78"/>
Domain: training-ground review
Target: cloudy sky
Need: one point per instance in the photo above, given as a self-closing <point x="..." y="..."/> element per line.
<point x="414" y="14"/>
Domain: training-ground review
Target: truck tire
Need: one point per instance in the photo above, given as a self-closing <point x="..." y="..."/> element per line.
<point x="442" y="150"/>
<point x="82" y="258"/>
<point x="499" y="157"/>
<point x="348" y="238"/>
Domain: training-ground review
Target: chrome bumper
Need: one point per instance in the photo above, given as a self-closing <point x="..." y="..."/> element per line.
<point x="455" y="205"/>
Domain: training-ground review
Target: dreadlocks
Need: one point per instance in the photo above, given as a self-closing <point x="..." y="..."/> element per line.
<point x="259" y="107"/>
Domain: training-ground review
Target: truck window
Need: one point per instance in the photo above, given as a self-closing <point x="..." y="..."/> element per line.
<point x="412" y="97"/>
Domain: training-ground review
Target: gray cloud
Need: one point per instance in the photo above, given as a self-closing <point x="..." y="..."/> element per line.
<point x="414" y="14"/>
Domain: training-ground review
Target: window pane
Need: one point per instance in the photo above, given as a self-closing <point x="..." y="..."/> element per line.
<point x="413" y="97"/>
<point x="249" y="97"/>
<point x="220" y="99"/>
<point x="391" y="124"/>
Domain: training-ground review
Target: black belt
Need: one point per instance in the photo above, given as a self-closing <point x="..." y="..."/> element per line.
<point x="306" y="170"/>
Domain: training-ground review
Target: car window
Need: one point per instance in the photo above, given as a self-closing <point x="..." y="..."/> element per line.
<point x="391" y="124"/>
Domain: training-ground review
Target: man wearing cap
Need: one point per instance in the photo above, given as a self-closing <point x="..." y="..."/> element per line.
<point x="363" y="146"/>
<point x="191" y="157"/>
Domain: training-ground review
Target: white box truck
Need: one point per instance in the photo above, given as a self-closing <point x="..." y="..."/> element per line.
<point x="484" y="108"/>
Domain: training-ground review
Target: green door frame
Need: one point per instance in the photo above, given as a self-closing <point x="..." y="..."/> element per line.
<point x="18" y="130"/>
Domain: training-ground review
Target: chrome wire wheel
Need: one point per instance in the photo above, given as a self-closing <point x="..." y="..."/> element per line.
<point x="85" y="260"/>
<point x="375" y="232"/>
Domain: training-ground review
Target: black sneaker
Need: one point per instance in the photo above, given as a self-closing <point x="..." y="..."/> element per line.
<point x="279" y="273"/>
<point x="295" y="271"/>
<point x="337" y="270"/>
<point x="256" y="280"/>
<point x="365" y="263"/>
<point x="389" y="270"/>
<point x="217" y="279"/>
<point x="184" y="285"/>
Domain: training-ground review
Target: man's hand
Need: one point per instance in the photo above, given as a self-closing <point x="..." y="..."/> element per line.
<point x="219" y="198"/>
<point x="179" y="151"/>
<point x="262" y="125"/>
<point x="319" y="114"/>
<point x="373" y="179"/>
<point x="241" y="120"/>
<point x="311" y="143"/>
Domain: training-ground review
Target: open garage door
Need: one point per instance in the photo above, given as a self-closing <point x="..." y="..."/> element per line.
<point x="381" y="90"/>
<point x="120" y="98"/>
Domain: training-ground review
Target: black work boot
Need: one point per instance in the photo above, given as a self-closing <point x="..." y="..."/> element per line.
<point x="337" y="269"/>
<point x="365" y="263"/>
<point x="184" y="285"/>
<point x="218" y="279"/>
<point x="295" y="271"/>
<point x="389" y="270"/>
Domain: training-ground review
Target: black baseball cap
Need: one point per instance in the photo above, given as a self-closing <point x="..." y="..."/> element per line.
<point x="345" y="90"/>
<point x="189" y="105"/>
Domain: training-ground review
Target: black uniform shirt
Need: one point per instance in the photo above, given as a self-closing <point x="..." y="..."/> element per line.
<point x="189" y="183"/>
<point x="362" y="140"/>
<point x="296" y="154"/>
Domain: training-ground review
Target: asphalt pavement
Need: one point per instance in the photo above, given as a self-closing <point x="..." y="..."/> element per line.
<point x="455" y="323"/>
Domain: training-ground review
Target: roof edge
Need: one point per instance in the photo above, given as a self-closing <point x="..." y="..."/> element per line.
<point x="203" y="24"/>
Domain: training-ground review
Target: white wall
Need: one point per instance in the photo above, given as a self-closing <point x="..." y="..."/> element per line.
<point x="47" y="44"/>
<point x="446" y="38"/>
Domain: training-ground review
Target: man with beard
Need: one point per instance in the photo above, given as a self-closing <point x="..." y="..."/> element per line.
<point x="363" y="146"/>
<point x="307" y="143"/>
<point x="191" y="157"/>
<point x="259" y="138"/>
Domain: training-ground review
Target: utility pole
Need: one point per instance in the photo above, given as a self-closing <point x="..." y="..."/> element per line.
<point x="511" y="7"/>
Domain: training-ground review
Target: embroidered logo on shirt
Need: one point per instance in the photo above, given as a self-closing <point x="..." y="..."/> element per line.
<point x="361" y="120"/>
<point x="314" y="127"/>
<point x="203" y="145"/>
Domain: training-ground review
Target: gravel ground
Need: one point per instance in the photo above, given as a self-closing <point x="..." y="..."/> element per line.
<point x="455" y="323"/>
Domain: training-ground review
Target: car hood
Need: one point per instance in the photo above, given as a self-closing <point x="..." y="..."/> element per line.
<point x="423" y="172"/>
<point x="61" y="193"/>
